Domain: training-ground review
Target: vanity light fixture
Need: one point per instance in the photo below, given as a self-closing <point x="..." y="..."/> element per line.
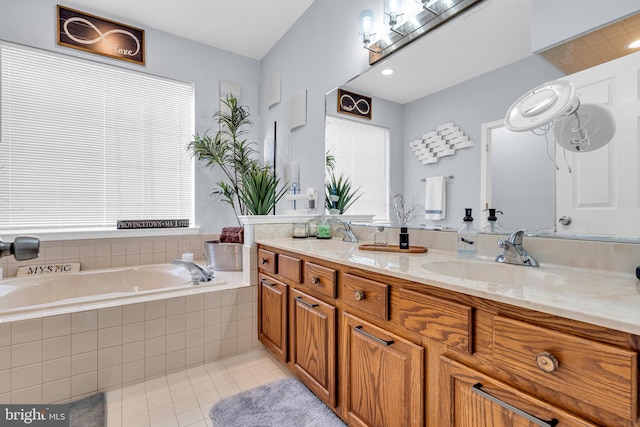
<point x="367" y="28"/>
<point x="393" y="14"/>
<point x="435" y="6"/>
<point x="416" y="23"/>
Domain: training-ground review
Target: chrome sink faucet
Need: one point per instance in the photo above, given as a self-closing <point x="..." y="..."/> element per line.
<point x="198" y="274"/>
<point x="347" y="232"/>
<point x="514" y="252"/>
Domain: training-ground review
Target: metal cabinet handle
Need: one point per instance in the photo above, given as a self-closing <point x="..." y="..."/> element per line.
<point x="539" y="421"/>
<point x="358" y="295"/>
<point x="264" y="261"/>
<point x="365" y="333"/>
<point x="546" y="361"/>
<point x="308" y="304"/>
<point x="315" y="280"/>
<point x="264" y="282"/>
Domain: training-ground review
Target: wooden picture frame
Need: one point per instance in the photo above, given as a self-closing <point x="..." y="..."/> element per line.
<point x="354" y="104"/>
<point x="82" y="31"/>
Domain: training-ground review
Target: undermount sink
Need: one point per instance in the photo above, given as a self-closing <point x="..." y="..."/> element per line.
<point x="493" y="272"/>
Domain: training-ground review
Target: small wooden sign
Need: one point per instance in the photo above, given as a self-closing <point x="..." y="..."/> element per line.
<point x="34" y="270"/>
<point x="354" y="104"/>
<point x="90" y="33"/>
<point x="152" y="223"/>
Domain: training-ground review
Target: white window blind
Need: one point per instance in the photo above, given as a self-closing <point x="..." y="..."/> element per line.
<point x="361" y="151"/>
<point x="85" y="144"/>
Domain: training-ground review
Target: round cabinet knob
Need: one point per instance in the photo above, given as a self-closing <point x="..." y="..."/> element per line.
<point x="315" y="280"/>
<point x="264" y="261"/>
<point x="358" y="295"/>
<point x="546" y="361"/>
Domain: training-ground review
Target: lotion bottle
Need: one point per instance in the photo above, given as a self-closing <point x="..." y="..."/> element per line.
<point x="467" y="237"/>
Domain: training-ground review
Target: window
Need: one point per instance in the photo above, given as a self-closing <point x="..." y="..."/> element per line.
<point x="362" y="153"/>
<point x="84" y="144"/>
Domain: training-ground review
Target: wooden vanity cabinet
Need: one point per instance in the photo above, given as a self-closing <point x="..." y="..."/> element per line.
<point x="383" y="351"/>
<point x="273" y="316"/>
<point x="383" y="378"/>
<point x="313" y="344"/>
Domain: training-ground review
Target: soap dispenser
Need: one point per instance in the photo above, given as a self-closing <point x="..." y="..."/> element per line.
<point x="492" y="225"/>
<point x="467" y="237"/>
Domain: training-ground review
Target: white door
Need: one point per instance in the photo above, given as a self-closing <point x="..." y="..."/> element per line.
<point x="601" y="195"/>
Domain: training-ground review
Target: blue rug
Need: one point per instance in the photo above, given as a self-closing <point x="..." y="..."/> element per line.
<point x="284" y="403"/>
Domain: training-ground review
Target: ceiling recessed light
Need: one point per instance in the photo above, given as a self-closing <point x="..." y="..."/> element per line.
<point x="387" y="72"/>
<point x="634" y="44"/>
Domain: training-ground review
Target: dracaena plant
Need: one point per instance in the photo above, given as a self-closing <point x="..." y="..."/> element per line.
<point x="230" y="152"/>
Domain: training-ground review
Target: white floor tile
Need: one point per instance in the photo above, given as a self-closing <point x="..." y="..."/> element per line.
<point x="184" y="398"/>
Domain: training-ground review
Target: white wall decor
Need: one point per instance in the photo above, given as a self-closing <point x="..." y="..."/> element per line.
<point x="274" y="89"/>
<point x="442" y="142"/>
<point x="299" y="109"/>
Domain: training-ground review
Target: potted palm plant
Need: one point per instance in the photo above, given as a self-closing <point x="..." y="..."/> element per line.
<point x="247" y="185"/>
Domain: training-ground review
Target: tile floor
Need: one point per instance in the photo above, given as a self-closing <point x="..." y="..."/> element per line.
<point x="183" y="399"/>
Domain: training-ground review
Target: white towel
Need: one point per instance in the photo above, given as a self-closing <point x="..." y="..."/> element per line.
<point x="435" y="201"/>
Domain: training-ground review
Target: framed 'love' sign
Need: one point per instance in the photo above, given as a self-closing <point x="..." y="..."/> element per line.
<point x="354" y="104"/>
<point x="90" y="33"/>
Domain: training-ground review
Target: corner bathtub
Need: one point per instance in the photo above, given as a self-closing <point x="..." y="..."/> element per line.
<point x="70" y="335"/>
<point x="44" y="295"/>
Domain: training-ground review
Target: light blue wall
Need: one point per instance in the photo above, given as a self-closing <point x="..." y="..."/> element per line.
<point x="33" y="23"/>
<point x="470" y="104"/>
<point x="319" y="53"/>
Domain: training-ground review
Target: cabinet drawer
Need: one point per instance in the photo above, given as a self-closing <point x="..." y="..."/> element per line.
<point x="448" y="322"/>
<point x="479" y="400"/>
<point x="366" y="295"/>
<point x="320" y="280"/>
<point x="586" y="371"/>
<point x="290" y="267"/>
<point x="267" y="261"/>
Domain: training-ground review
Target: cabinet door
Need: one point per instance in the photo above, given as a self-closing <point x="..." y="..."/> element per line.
<point x="477" y="400"/>
<point x="384" y="375"/>
<point x="313" y="344"/>
<point x="272" y="316"/>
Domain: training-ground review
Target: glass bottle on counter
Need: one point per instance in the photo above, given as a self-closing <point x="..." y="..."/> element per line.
<point x="380" y="237"/>
<point x="467" y="237"/>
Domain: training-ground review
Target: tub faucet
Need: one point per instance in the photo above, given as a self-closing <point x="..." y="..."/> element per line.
<point x="198" y="274"/>
<point x="22" y="248"/>
<point x="514" y="252"/>
<point x="347" y="232"/>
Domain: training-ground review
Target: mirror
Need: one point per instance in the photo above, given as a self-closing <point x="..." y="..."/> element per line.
<point x="429" y="99"/>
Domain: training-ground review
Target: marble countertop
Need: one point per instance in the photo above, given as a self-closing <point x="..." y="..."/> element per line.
<point x="597" y="297"/>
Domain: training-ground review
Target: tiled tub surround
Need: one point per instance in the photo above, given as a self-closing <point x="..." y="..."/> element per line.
<point x="58" y="358"/>
<point x="117" y="252"/>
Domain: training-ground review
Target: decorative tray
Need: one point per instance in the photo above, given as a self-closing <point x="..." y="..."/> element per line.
<point x="393" y="248"/>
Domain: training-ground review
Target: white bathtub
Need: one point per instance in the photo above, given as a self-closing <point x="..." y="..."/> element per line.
<point x="44" y="295"/>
